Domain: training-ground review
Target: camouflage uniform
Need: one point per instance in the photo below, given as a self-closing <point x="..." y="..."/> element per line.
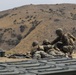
<point x="38" y="52"/>
<point x="56" y="53"/>
<point x="34" y="49"/>
<point x="50" y="49"/>
<point x="46" y="45"/>
<point x="64" y="42"/>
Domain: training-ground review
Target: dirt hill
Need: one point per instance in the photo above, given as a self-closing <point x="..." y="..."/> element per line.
<point x="19" y="27"/>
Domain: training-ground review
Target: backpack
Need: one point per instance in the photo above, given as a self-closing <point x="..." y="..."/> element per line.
<point x="71" y="39"/>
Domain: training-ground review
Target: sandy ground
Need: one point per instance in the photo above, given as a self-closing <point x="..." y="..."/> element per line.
<point x="4" y="59"/>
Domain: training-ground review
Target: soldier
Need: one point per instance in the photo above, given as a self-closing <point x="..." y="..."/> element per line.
<point x="41" y="53"/>
<point x="56" y="52"/>
<point x="64" y="42"/>
<point x="38" y="51"/>
<point x="46" y="44"/>
<point x="34" y="48"/>
<point x="50" y="49"/>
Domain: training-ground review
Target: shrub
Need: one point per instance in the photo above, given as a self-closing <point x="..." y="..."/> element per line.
<point x="19" y="36"/>
<point x="56" y="20"/>
<point x="35" y="23"/>
<point x="74" y="17"/>
<point x="13" y="42"/>
<point x="14" y="21"/>
<point x="13" y="35"/>
<point x="1" y="35"/>
<point x="22" y="28"/>
<point x="13" y="14"/>
<point x="50" y="10"/>
<point x="4" y="15"/>
<point x="27" y="17"/>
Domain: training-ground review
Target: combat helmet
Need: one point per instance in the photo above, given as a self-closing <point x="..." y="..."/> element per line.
<point x="35" y="43"/>
<point x="59" y="31"/>
<point x="45" y="42"/>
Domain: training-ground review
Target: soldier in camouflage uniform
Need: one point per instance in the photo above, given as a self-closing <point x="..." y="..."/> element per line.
<point x="38" y="51"/>
<point x="46" y="44"/>
<point x="50" y="49"/>
<point x="34" y="48"/>
<point x="64" y="42"/>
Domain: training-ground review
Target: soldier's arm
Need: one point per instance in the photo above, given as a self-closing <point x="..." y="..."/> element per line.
<point x="55" y="41"/>
<point x="47" y="46"/>
<point x="71" y="36"/>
